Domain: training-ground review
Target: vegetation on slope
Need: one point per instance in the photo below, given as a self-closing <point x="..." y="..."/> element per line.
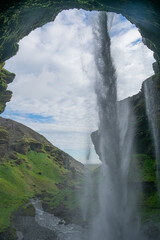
<point x="31" y="166"/>
<point x="23" y="178"/>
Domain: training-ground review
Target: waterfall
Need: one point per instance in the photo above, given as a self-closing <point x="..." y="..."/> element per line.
<point x="117" y="216"/>
<point x="152" y="100"/>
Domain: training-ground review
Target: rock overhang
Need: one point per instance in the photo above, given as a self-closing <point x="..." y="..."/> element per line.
<point x="18" y="18"/>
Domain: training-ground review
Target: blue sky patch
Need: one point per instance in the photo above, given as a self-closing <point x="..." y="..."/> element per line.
<point x="33" y="117"/>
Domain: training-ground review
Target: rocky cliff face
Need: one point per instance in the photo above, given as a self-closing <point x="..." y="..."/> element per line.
<point x="143" y="136"/>
<point x="5" y="95"/>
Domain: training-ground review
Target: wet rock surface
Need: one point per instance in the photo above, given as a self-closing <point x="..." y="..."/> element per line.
<point x="44" y="226"/>
<point x="28" y="229"/>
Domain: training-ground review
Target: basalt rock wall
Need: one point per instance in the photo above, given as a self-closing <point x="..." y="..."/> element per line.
<point x="143" y="135"/>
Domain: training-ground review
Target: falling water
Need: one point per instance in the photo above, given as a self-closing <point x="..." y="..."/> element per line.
<point x="117" y="217"/>
<point x="152" y="99"/>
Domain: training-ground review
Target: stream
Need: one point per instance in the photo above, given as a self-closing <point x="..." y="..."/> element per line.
<point x="45" y="226"/>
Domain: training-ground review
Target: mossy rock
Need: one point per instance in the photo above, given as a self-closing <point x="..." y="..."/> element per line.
<point x="29" y="210"/>
<point x="152" y="201"/>
<point x="5" y="78"/>
<point x="5" y="96"/>
<point x="4" y="136"/>
<point x="26" y="144"/>
<point x="36" y="146"/>
<point x="21" y="146"/>
<point x="49" y="148"/>
<point x="147" y="167"/>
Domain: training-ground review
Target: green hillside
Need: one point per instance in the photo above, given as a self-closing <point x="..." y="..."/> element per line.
<point x="31" y="166"/>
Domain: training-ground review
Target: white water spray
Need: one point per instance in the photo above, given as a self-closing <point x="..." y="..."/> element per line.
<point x="117" y="215"/>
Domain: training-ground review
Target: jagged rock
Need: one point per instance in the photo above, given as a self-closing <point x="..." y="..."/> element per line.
<point x="5" y="95"/>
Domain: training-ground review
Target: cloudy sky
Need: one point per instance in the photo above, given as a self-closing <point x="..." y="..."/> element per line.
<point x="53" y="92"/>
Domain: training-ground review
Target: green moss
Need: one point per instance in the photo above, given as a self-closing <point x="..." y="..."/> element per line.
<point x="6" y="75"/>
<point x="153" y="201"/>
<point x="5" y="95"/>
<point x="2" y="107"/>
<point x="39" y="162"/>
<point x="151" y="207"/>
<point x="2" y="65"/>
<point x="149" y="200"/>
<point x="66" y="197"/>
<point x="4" y="136"/>
<point x="147" y="168"/>
<point x="26" y="144"/>
<point x="18" y="183"/>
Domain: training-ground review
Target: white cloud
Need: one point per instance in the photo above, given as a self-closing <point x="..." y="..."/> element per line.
<point x="50" y="80"/>
<point x="55" y="76"/>
<point x="133" y="60"/>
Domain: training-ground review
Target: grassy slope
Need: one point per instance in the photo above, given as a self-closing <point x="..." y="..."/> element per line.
<point x="150" y="205"/>
<point x="31" y="166"/>
<point x="36" y="173"/>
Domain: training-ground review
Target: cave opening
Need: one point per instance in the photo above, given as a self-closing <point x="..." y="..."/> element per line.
<point x="53" y="92"/>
